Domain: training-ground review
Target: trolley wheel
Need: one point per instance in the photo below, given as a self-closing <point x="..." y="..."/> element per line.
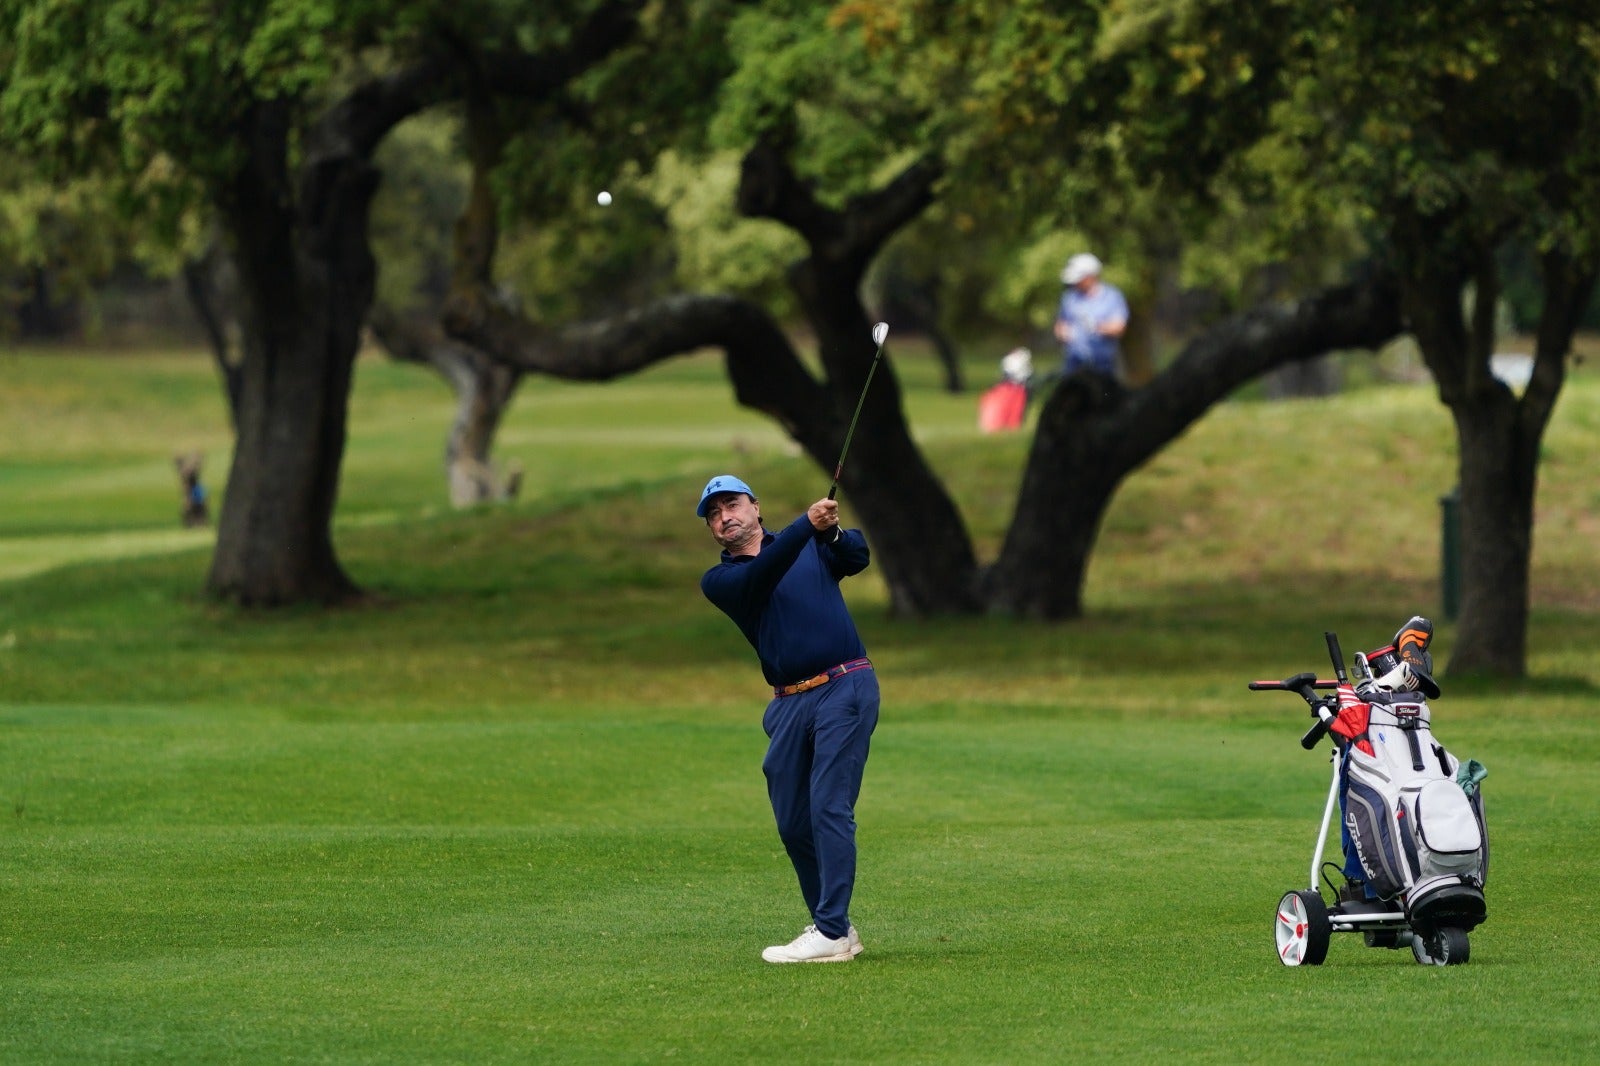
<point x="1302" y="929"/>
<point x="1448" y="947"/>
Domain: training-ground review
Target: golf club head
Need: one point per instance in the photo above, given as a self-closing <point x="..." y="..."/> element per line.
<point x="880" y="333"/>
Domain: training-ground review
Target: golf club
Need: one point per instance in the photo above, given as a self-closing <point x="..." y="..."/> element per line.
<point x="880" y="333"/>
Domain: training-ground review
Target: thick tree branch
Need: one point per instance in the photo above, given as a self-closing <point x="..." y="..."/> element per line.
<point x="612" y="347"/>
<point x="1362" y="315"/>
<point x="1568" y="289"/>
<point x="770" y="188"/>
<point x="1093" y="433"/>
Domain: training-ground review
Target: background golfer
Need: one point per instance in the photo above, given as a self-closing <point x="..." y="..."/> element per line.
<point x="782" y="591"/>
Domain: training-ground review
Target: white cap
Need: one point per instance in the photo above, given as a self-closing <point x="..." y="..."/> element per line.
<point x="1083" y="265"/>
<point x="1017" y="365"/>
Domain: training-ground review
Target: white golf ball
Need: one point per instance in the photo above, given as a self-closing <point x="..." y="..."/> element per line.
<point x="604" y="198"/>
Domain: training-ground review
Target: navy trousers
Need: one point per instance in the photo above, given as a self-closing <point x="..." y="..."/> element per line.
<point x="814" y="763"/>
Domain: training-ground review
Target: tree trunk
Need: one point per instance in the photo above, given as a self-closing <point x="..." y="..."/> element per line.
<point x="922" y="549"/>
<point x="305" y="286"/>
<point x="1093" y="433"/>
<point x="1139" y="348"/>
<point x="483" y="393"/>
<point x="1497" y="490"/>
<point x="210" y="283"/>
<point x="1039" y="573"/>
<point x="306" y="278"/>
<point x="1499" y="436"/>
<point x="483" y="390"/>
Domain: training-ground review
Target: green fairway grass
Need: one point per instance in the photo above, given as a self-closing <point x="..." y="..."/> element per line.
<point x="510" y="809"/>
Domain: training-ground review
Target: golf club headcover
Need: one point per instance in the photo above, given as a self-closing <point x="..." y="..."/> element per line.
<point x="1411" y="643"/>
<point x="1352" y="720"/>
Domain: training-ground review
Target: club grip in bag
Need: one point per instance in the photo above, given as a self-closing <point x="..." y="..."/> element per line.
<point x="1325" y="717"/>
<point x="1337" y="656"/>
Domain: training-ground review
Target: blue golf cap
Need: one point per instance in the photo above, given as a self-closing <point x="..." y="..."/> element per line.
<point x="721" y="483"/>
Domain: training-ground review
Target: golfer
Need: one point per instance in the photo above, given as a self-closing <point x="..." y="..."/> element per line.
<point x="782" y="591"/>
<point x="1091" y="318"/>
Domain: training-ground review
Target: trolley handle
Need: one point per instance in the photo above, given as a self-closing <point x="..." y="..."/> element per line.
<point x="1306" y="685"/>
<point x="1318" y="730"/>
<point x="1292" y="684"/>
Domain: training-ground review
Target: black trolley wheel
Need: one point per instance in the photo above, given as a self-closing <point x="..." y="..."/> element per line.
<point x="1448" y="946"/>
<point x="1301" y="929"/>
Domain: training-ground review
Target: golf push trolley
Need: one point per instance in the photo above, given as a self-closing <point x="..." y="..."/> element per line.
<point x="1410" y="811"/>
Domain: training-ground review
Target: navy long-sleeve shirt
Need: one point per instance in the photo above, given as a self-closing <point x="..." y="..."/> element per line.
<point x="786" y="599"/>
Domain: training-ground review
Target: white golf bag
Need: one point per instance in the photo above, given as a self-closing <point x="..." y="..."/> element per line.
<point x="1415" y="816"/>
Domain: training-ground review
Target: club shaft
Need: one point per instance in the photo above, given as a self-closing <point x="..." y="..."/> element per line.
<point x="851" y="432"/>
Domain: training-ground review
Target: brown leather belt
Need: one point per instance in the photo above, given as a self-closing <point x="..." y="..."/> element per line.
<point x="823" y="678"/>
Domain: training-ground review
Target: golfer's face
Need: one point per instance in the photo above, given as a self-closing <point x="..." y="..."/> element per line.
<point x="734" y="520"/>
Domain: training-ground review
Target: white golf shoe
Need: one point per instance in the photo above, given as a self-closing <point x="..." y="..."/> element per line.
<point x="813" y="946"/>
<point x="856" y="947"/>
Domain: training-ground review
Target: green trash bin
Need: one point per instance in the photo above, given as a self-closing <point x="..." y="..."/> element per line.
<point x="1450" y="552"/>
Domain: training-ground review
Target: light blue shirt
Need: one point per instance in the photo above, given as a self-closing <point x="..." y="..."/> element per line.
<point x="1084" y="314"/>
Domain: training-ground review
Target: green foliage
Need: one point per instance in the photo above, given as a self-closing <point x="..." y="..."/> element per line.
<point x="716" y="249"/>
<point x="157" y="97"/>
<point x="562" y="254"/>
<point x="591" y="260"/>
<point x="651" y="97"/>
<point x="812" y="81"/>
<point x="1091" y="127"/>
<point x="1480" y="117"/>
<point x="68" y="236"/>
<point x="1260" y="154"/>
<point x="1250" y="157"/>
<point x="150" y="99"/>
<point x="62" y="229"/>
<point x="415" y="210"/>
